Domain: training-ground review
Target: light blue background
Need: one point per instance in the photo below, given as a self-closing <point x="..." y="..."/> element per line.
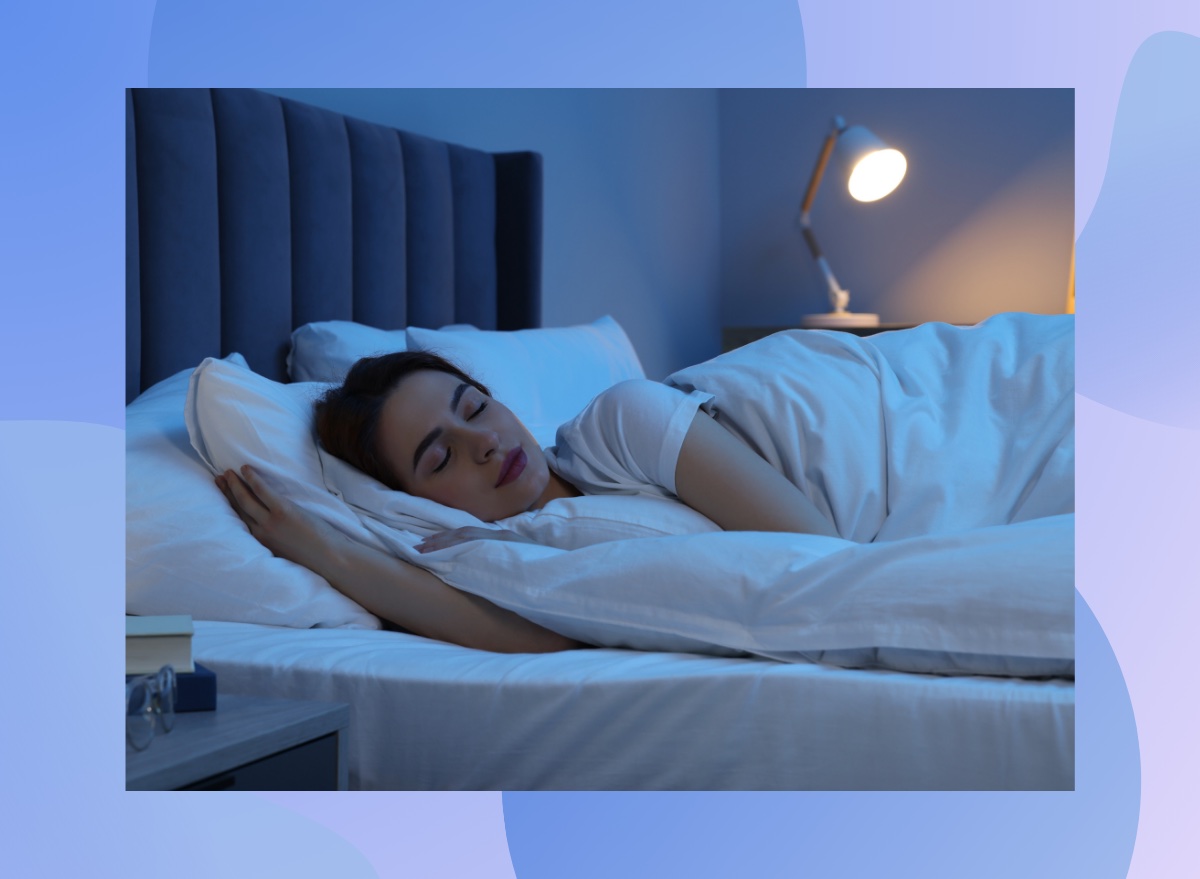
<point x="61" y="251"/>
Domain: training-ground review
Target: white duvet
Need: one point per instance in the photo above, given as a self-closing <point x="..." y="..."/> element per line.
<point x="933" y="429"/>
<point x="943" y="454"/>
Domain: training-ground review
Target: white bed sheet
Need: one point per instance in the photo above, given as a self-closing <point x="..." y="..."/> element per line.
<point x="426" y="715"/>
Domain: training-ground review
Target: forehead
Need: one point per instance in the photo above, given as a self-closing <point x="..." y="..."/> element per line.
<point x="416" y="405"/>
<point x="419" y="396"/>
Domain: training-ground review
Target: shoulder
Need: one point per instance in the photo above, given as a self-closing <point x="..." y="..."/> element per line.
<point x="628" y="438"/>
<point x="637" y="396"/>
<point x="629" y="412"/>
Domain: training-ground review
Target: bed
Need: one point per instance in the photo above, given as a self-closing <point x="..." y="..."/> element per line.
<point x="257" y="226"/>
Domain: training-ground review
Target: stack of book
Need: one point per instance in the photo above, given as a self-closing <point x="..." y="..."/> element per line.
<point x="154" y="641"/>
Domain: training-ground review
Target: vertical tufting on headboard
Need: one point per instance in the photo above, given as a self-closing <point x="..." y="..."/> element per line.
<point x="248" y="215"/>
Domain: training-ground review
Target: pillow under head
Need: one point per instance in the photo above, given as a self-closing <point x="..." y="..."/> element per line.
<point x="187" y="551"/>
<point x="545" y="376"/>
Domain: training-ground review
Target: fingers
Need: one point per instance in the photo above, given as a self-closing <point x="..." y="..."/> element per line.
<point x="455" y="536"/>
<point x="433" y="543"/>
<point x="258" y="485"/>
<point x="223" y="485"/>
<point x="446" y="539"/>
<point x="245" y="502"/>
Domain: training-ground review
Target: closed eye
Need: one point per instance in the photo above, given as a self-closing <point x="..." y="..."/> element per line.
<point x="446" y="460"/>
<point x="442" y="466"/>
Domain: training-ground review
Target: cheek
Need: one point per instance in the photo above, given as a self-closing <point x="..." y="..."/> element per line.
<point x="463" y="492"/>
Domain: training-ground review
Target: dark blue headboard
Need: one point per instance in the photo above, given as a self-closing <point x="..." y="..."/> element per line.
<point x="248" y="215"/>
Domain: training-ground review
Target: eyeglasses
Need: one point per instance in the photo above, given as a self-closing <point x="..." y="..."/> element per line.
<point x="149" y="703"/>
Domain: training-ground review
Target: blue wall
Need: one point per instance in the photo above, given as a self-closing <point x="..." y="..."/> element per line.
<point x="982" y="223"/>
<point x="675" y="210"/>
<point x="631" y="197"/>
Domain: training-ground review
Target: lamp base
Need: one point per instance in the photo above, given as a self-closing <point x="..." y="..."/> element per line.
<point x="839" y="320"/>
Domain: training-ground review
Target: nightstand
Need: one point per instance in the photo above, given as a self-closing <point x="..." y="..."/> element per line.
<point x="247" y="743"/>
<point x="736" y="337"/>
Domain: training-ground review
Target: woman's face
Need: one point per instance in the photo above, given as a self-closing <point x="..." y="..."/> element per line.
<point x="447" y="441"/>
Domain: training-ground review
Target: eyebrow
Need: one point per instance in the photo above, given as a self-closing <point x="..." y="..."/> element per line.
<point x="437" y="431"/>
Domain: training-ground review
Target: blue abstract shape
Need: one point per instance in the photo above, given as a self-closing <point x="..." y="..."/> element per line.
<point x="414" y="833"/>
<point x="521" y="43"/>
<point x="242" y="836"/>
<point x="985" y="835"/>
<point x="61" y="236"/>
<point x="62" y="553"/>
<point x="63" y="531"/>
<point x="1138" y="306"/>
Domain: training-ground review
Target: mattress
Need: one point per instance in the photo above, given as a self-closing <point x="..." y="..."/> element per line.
<point x="432" y="716"/>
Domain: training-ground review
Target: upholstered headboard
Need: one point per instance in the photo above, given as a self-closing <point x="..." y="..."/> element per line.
<point x="248" y="215"/>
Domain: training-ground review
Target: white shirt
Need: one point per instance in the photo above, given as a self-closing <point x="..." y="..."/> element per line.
<point x="627" y="440"/>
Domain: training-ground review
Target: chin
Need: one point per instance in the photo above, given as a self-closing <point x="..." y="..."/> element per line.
<point x="537" y="484"/>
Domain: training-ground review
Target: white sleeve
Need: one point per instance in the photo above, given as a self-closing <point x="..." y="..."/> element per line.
<point x="628" y="439"/>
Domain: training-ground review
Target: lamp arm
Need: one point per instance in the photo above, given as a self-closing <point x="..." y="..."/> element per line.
<point x="839" y="297"/>
<point x="814" y="182"/>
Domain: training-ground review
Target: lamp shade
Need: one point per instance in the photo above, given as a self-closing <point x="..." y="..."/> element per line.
<point x="874" y="168"/>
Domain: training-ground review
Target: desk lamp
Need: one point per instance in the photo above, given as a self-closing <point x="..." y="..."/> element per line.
<point x="874" y="171"/>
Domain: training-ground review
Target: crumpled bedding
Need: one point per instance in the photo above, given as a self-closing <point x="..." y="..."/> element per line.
<point x="934" y="429"/>
<point x="945" y="456"/>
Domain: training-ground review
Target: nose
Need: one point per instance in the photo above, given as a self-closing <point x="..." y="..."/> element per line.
<point x="482" y="445"/>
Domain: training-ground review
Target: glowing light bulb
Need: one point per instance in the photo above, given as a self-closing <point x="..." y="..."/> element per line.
<point x="877" y="174"/>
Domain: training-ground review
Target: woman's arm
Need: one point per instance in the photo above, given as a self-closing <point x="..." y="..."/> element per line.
<point x="388" y="587"/>
<point x="722" y="478"/>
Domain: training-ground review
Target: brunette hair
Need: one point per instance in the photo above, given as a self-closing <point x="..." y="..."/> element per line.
<point x="347" y="417"/>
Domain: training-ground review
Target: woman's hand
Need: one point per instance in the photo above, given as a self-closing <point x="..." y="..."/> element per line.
<point x="455" y="536"/>
<point x="277" y="523"/>
<point x="387" y="586"/>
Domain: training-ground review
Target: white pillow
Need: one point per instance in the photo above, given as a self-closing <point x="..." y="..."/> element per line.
<point x="325" y="351"/>
<point x="545" y="376"/>
<point x="236" y="416"/>
<point x="186" y="550"/>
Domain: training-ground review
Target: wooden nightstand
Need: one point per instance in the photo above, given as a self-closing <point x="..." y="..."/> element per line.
<point x="247" y="743"/>
<point x="736" y="337"/>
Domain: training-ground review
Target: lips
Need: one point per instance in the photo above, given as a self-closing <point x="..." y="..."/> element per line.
<point x="512" y="467"/>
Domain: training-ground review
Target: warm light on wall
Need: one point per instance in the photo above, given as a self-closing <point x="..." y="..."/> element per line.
<point x="1071" y="284"/>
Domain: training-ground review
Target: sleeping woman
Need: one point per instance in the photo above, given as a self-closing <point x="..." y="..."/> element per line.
<point x="418" y="424"/>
